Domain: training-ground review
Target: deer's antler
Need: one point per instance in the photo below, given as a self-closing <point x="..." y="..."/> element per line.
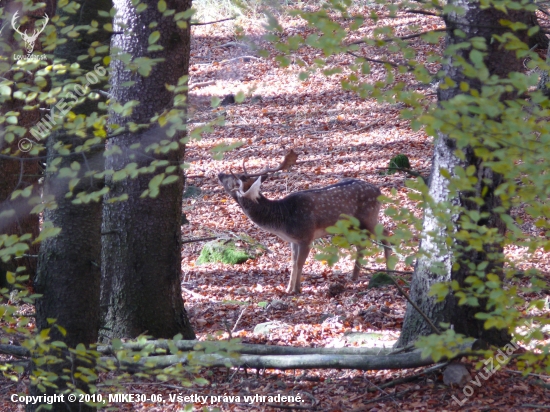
<point x="287" y="163"/>
<point x="36" y="32"/>
<point x="25" y="36"/>
<point x="13" y="19"/>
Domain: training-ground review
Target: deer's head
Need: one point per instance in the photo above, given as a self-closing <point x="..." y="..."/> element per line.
<point x="29" y="39"/>
<point x="245" y="185"/>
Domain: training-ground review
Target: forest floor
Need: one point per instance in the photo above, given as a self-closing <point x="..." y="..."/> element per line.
<point x="336" y="135"/>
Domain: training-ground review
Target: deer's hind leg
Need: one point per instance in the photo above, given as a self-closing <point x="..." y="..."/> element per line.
<point x="300" y="251"/>
<point x="367" y="222"/>
<point x="357" y="265"/>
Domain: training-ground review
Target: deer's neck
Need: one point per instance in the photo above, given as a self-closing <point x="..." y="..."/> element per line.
<point x="268" y="214"/>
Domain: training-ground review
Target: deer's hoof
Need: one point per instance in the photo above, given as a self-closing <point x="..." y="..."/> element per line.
<point x="293" y="291"/>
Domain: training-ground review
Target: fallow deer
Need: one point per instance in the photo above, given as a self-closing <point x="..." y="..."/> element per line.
<point x="303" y="216"/>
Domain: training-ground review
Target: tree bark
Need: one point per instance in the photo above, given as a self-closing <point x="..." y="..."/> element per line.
<point x="68" y="273"/>
<point x="21" y="170"/>
<point x="441" y="263"/>
<point x="539" y="39"/>
<point x="141" y="280"/>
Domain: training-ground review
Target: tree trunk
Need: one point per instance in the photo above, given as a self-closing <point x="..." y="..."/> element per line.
<point x="539" y="39"/>
<point x="141" y="255"/>
<point x="21" y="170"/>
<point x="68" y="273"/>
<point x="544" y="80"/>
<point x="441" y="263"/>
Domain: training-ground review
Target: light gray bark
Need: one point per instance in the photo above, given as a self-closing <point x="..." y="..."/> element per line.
<point x="436" y="265"/>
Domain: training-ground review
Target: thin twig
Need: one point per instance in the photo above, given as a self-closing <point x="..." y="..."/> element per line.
<point x="528" y="374"/>
<point x="403" y="349"/>
<point x="239" y="58"/>
<point x="427" y="13"/>
<point x="412" y="36"/>
<point x="201" y="84"/>
<point x="6" y="388"/>
<point x="199" y="239"/>
<point x="373" y="60"/>
<point x="414" y="305"/>
<point x="405" y="272"/>
<point x="194" y="294"/>
<point x="238" y="319"/>
<point x="406" y="379"/>
<point x="391" y="395"/>
<point x="366" y="127"/>
<point x="232" y="43"/>
<point x="407" y="37"/>
<point x="212" y="22"/>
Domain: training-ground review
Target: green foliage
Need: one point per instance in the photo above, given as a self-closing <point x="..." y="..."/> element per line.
<point x="223" y="251"/>
<point x="442" y="346"/>
<point x="400" y="161"/>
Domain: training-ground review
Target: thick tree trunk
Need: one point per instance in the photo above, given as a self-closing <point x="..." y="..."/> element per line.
<point x="141" y="257"/>
<point x="20" y="171"/>
<point x="441" y="263"/>
<point x="17" y="174"/>
<point x="68" y="273"/>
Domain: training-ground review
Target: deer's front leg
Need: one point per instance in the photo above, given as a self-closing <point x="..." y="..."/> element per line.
<point x="300" y="251"/>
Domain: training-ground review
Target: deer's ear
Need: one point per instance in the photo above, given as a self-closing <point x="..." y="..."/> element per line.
<point x="252" y="192"/>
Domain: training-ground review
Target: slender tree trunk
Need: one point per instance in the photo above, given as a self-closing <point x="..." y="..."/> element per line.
<point x="69" y="273"/>
<point x="441" y="263"/>
<point x="141" y="281"/>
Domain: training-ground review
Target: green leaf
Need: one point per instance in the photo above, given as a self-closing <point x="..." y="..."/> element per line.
<point x="10" y="278"/>
<point x="170" y="179"/>
<point x="46" y="233"/>
<point x="154" y="37"/>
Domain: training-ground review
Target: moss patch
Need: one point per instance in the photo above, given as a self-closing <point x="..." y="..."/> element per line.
<point x="223" y="251"/>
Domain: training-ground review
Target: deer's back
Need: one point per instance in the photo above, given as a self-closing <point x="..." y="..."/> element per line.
<point x="352" y="197"/>
<point x="303" y="216"/>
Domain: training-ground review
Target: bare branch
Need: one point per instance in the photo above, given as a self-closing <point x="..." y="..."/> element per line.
<point x="395" y="65"/>
<point x="373" y="60"/>
<point x="412" y="36"/>
<point x="211" y="22"/>
<point x="199" y="239"/>
<point x="427" y="13"/>
<point x="407" y="37"/>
